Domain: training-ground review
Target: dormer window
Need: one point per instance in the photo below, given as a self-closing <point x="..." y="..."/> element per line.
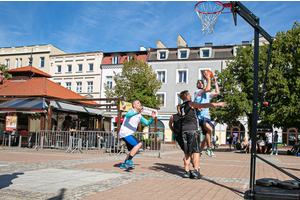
<point x="205" y="52"/>
<point x="183" y="53"/>
<point x="115" y="60"/>
<point x="162" y="54"/>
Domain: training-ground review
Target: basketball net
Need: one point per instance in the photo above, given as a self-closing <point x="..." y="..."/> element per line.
<point x="208" y="12"/>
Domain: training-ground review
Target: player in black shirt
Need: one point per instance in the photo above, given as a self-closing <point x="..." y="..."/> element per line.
<point x="190" y="132"/>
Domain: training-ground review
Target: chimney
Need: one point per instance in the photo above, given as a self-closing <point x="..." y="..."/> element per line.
<point x="142" y="48"/>
<point x="181" y="41"/>
<point x="208" y="44"/>
<point x="160" y="45"/>
<point x="245" y="42"/>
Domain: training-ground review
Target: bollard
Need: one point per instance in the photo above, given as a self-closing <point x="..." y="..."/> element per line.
<point x="87" y="144"/>
<point x="42" y="142"/>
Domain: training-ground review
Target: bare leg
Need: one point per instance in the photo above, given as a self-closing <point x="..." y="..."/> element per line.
<point x="187" y="160"/>
<point x="196" y="159"/>
<point x="208" y="129"/>
<point x="134" y="150"/>
<point x="203" y="144"/>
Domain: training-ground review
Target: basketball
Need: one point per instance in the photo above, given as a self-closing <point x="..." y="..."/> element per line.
<point x="209" y="73"/>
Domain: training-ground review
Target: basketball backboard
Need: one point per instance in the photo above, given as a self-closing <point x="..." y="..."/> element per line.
<point x="233" y="11"/>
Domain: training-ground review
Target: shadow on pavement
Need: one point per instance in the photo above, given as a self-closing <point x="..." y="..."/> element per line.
<point x="237" y="192"/>
<point x="171" y="169"/>
<point x="60" y="196"/>
<point x="6" y="179"/>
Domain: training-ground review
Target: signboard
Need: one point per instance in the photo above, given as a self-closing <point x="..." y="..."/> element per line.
<point x="126" y="106"/>
<point x="11" y="121"/>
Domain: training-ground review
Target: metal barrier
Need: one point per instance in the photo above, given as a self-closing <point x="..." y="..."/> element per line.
<point x="76" y="140"/>
<point x="150" y="142"/>
<point x="101" y="140"/>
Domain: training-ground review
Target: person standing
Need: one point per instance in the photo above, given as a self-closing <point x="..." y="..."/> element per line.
<point x="175" y="126"/>
<point x="190" y="132"/>
<point x="215" y="140"/>
<point x="128" y="128"/>
<point x="274" y="143"/>
<point x="230" y="142"/>
<point x="203" y="96"/>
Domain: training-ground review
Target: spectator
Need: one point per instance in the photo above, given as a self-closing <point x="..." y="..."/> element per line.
<point x="262" y="145"/>
<point x="215" y="140"/>
<point x="230" y="142"/>
<point x="274" y="143"/>
<point x="245" y="145"/>
<point x="234" y="141"/>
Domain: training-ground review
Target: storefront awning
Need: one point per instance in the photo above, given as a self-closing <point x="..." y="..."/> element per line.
<point x="74" y="108"/>
<point x="24" y="105"/>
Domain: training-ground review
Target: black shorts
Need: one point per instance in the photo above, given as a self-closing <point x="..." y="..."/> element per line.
<point x="179" y="140"/>
<point x="191" y="141"/>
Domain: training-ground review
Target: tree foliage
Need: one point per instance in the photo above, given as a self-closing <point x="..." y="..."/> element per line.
<point x="6" y="75"/>
<point x="282" y="86"/>
<point x="137" y="81"/>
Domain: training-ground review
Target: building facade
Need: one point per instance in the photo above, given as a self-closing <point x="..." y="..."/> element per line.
<point x="16" y="57"/>
<point x="79" y="72"/>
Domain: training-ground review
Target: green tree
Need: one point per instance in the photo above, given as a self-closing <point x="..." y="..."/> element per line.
<point x="6" y="75"/>
<point x="236" y="86"/>
<point x="283" y="86"/>
<point x="137" y="81"/>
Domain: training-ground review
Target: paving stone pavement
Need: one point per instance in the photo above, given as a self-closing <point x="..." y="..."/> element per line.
<point x="53" y="174"/>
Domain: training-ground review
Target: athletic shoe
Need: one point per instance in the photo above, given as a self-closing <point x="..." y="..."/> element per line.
<point x="210" y="153"/>
<point x="186" y="174"/>
<point x="271" y="153"/>
<point x="276" y="154"/>
<point x="129" y="163"/>
<point x="196" y="174"/>
<point x="124" y="166"/>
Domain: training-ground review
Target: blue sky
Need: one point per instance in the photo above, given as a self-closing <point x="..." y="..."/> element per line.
<point x="113" y="26"/>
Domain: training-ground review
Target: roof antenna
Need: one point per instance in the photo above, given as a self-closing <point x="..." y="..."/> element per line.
<point x="30" y="59"/>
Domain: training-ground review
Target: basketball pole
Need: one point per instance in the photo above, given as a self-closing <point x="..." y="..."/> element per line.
<point x="249" y="17"/>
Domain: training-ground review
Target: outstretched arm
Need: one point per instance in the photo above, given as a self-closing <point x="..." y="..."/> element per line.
<point x="217" y="91"/>
<point x="146" y="122"/>
<point x="208" y="85"/>
<point x="206" y="105"/>
<point x="130" y="113"/>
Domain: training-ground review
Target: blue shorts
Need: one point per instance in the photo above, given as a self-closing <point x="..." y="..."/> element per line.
<point x="201" y="122"/>
<point x="131" y="141"/>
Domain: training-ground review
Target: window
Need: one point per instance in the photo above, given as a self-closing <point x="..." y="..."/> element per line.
<point x="20" y="62"/>
<point x="69" y="68"/>
<point x="7" y="63"/>
<point x="80" y="67"/>
<point x="59" y="83"/>
<point x="115" y="60"/>
<point x="163" y="97"/>
<point x="181" y="76"/>
<point x="161" y="75"/>
<point x="91" y="67"/>
<point x="68" y="86"/>
<point x="162" y="54"/>
<point x="59" y="68"/>
<point x="42" y="61"/>
<point x="109" y="81"/>
<point x="16" y="63"/>
<point x="79" y="87"/>
<point x="129" y="57"/>
<point x="89" y="86"/>
<point x="205" y="53"/>
<point x="183" y="53"/>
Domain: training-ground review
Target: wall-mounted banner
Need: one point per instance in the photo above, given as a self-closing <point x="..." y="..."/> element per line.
<point x="126" y="106"/>
<point x="11" y="121"/>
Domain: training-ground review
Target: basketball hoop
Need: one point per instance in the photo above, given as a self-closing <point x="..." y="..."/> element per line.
<point x="209" y="12"/>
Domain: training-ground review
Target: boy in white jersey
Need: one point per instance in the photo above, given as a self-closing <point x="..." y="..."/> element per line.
<point x="128" y="128"/>
<point x="203" y="96"/>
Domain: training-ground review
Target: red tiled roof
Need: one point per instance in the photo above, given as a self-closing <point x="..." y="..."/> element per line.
<point x="29" y="69"/>
<point x="39" y="87"/>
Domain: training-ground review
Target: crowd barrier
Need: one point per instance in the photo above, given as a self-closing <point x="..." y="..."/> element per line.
<point x="93" y="140"/>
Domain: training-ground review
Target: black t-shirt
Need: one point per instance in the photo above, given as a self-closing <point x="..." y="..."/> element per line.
<point x="189" y="117"/>
<point x="177" y="124"/>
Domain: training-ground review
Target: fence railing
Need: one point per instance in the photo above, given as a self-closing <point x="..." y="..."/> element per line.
<point x="95" y="140"/>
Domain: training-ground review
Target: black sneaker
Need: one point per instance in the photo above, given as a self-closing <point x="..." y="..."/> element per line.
<point x="186" y="174"/>
<point x="196" y="174"/>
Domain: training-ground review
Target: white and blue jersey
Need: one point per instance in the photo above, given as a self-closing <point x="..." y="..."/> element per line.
<point x="204" y="98"/>
<point x="130" y="123"/>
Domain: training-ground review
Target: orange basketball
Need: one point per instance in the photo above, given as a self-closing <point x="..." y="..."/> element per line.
<point x="209" y="73"/>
